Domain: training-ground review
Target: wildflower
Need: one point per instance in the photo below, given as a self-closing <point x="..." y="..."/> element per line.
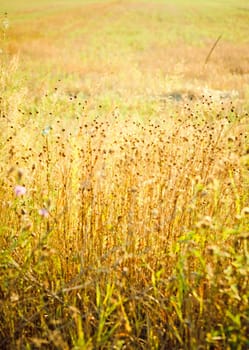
<point x="44" y="212"/>
<point x="46" y="131"/>
<point x="20" y="190"/>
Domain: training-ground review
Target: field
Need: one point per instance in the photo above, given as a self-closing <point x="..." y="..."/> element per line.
<point x="124" y="159"/>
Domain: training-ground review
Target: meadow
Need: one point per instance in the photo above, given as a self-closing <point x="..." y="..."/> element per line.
<point x="124" y="185"/>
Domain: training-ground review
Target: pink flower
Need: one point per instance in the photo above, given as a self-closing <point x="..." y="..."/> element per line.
<point x="44" y="212"/>
<point x="20" y="190"/>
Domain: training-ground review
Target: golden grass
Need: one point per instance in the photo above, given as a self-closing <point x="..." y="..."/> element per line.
<point x="130" y="233"/>
<point x="156" y="45"/>
<point x="124" y="183"/>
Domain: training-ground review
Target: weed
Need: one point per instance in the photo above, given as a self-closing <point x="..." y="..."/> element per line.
<point x="124" y="216"/>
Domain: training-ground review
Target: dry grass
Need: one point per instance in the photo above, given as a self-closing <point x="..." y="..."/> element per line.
<point x="157" y="45"/>
<point x="130" y="235"/>
<point x="124" y="188"/>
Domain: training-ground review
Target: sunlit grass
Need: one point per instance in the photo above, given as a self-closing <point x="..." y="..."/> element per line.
<point x="124" y="164"/>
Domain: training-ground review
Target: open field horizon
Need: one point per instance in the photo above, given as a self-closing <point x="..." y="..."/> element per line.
<point x="124" y="202"/>
<point x="126" y="50"/>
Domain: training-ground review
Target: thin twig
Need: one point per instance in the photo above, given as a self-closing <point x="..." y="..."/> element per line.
<point x="212" y="48"/>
